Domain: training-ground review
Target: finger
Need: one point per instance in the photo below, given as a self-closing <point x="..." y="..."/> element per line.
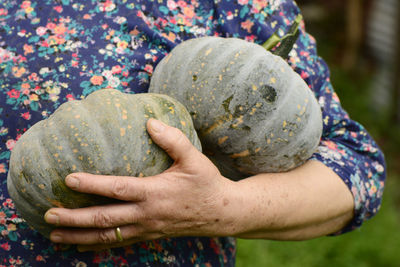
<point x="117" y="187"/>
<point x="97" y="239"/>
<point x="87" y="236"/>
<point x="95" y="217"/>
<point x="171" y="139"/>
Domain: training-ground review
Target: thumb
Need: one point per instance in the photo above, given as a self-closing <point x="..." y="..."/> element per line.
<point x="171" y="139"/>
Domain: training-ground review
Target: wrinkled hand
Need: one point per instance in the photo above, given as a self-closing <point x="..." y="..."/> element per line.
<point x="191" y="198"/>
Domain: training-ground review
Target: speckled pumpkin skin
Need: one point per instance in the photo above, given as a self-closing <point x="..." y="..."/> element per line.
<point x="252" y="112"/>
<point x="102" y="134"/>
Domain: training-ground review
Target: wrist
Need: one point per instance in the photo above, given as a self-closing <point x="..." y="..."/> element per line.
<point x="232" y="209"/>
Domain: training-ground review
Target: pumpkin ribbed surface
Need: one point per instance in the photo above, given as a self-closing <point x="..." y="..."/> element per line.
<point x="252" y="112"/>
<point x="102" y="134"/>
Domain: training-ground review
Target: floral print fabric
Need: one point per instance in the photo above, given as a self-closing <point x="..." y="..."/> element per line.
<point x="56" y="51"/>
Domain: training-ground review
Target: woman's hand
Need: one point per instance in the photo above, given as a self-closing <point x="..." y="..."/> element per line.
<point x="188" y="199"/>
<point x="193" y="199"/>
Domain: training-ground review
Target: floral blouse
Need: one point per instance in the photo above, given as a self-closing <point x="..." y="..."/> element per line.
<point x="53" y="51"/>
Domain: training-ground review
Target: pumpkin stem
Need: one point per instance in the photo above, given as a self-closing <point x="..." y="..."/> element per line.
<point x="285" y="42"/>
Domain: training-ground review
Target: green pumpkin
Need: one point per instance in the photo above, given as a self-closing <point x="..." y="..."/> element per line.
<point x="252" y="112"/>
<point x="102" y="134"/>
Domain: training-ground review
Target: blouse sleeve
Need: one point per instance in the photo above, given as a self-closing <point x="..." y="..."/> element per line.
<point x="345" y="147"/>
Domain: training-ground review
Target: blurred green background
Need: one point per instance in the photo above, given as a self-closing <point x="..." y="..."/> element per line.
<point x="351" y="38"/>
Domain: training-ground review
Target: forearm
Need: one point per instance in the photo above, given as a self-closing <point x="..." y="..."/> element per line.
<point x="304" y="203"/>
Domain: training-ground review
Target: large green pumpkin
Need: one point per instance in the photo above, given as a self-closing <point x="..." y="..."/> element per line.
<point x="102" y="134"/>
<point x="252" y="112"/>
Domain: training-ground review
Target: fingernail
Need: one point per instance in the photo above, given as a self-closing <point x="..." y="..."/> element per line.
<point x="156" y="125"/>
<point x="56" y="238"/>
<point x="72" y="182"/>
<point x="51" y="218"/>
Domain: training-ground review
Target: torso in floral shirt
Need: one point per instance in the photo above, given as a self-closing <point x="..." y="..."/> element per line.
<point x="56" y="51"/>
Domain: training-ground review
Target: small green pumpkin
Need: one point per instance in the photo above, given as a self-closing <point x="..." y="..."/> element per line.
<point x="252" y="112"/>
<point x="102" y="134"/>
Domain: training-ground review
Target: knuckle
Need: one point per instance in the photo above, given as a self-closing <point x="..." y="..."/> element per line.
<point x="179" y="136"/>
<point x="159" y="227"/>
<point x="105" y="236"/>
<point x="119" y="188"/>
<point x="102" y="220"/>
<point x="133" y="215"/>
<point x="175" y="131"/>
<point x="156" y="225"/>
<point x="180" y="139"/>
<point x="69" y="221"/>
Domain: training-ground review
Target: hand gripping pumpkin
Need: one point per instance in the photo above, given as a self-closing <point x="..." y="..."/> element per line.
<point x="252" y="112"/>
<point x="102" y="134"/>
